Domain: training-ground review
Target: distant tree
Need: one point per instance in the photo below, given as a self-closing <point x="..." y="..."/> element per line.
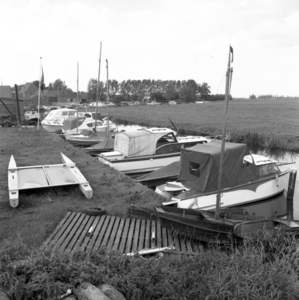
<point x="204" y="90"/>
<point x="59" y="85"/>
<point x="187" y="94"/>
<point x="170" y="92"/>
<point x="158" y="96"/>
<point x="92" y="88"/>
<point x="252" y="96"/>
<point x="50" y="87"/>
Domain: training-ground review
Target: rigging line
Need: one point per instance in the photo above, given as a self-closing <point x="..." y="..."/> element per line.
<point x="220" y="83"/>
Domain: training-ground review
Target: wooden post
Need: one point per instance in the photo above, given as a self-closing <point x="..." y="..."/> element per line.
<point x="18" y="106"/>
<point x="290" y="195"/>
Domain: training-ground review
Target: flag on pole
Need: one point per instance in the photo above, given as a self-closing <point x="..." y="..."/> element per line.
<point x="42" y="81"/>
<point x="232" y="52"/>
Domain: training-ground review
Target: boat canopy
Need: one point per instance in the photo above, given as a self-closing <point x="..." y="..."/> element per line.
<point x="72" y="122"/>
<point x="140" y="142"/>
<point x="200" y="166"/>
<point x="62" y="112"/>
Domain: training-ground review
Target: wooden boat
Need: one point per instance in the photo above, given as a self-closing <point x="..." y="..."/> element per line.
<point x="44" y="176"/>
<point x="146" y="150"/>
<point x="249" y="179"/>
<point x="232" y="226"/>
<point x="197" y="225"/>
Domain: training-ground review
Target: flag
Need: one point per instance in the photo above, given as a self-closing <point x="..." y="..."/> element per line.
<point x="232" y="52"/>
<point x="42" y="81"/>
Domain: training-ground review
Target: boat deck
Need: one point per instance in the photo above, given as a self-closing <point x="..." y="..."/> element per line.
<point x="79" y="231"/>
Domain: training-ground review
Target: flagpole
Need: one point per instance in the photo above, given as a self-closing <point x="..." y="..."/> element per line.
<point x="38" y="102"/>
<point x="107" y="100"/>
<point x="227" y="93"/>
<point x="98" y="83"/>
<point x="77" y="92"/>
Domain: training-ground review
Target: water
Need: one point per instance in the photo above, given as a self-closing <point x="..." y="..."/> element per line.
<point x="279" y="155"/>
<point x="283" y="156"/>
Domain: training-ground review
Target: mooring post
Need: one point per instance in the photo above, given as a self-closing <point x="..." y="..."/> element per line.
<point x="290" y="195"/>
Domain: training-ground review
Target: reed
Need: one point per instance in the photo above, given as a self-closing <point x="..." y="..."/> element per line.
<point x="264" y="268"/>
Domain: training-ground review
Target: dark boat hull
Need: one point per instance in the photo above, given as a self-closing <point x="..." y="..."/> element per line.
<point x="193" y="224"/>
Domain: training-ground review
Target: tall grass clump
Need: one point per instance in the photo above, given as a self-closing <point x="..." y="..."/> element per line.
<point x="264" y="268"/>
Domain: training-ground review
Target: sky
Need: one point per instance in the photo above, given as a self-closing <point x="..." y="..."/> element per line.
<point x="153" y="39"/>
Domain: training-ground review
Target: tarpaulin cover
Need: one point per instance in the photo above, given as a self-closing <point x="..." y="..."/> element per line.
<point x="138" y="143"/>
<point x="200" y="166"/>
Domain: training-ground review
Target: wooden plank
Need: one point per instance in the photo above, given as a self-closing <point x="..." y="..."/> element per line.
<point x="88" y="234"/>
<point x="98" y="227"/>
<point x="75" y="232"/>
<point x="63" y="232"/>
<point x="136" y="236"/>
<point x="147" y="236"/>
<point x="108" y="232"/>
<point x="142" y="231"/>
<point x="57" y="228"/>
<point x="113" y="233"/>
<point x="158" y="232"/>
<point x="119" y="234"/>
<point x="124" y="236"/>
<point x="98" y="243"/>
<point x="177" y="244"/>
<point x="164" y="240"/>
<point x="170" y="238"/>
<point x="188" y="245"/>
<point x="153" y="235"/>
<point x="130" y="236"/>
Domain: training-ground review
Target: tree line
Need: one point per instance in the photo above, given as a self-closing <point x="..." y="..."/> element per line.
<point x="138" y="90"/>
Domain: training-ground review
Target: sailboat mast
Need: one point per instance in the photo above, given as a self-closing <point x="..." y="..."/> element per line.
<point x="77" y="93"/>
<point x="227" y="95"/>
<point x="107" y="133"/>
<point x="98" y="84"/>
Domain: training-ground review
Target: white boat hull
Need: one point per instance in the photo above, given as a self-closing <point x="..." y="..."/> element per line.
<point x="52" y="128"/>
<point x="241" y="195"/>
<point x="141" y="165"/>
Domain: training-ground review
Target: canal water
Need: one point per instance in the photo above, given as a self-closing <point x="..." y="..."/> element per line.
<point x="283" y="156"/>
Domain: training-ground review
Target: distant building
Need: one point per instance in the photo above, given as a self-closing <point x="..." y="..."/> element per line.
<point x="5" y="91"/>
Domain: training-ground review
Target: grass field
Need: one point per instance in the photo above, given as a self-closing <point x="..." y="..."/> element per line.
<point x="270" y="118"/>
<point x="263" y="269"/>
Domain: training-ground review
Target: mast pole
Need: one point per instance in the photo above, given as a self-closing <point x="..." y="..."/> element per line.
<point x="107" y="133"/>
<point x="98" y="84"/>
<point x="39" y="87"/>
<point x="227" y="94"/>
<point x="77" y="93"/>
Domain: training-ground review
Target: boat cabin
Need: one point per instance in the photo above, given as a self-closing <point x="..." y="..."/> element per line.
<point x="152" y="141"/>
<point x="200" y="166"/>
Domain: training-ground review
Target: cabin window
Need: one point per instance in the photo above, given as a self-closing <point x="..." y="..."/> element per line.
<point x="187" y="145"/>
<point x="267" y="169"/>
<point x="71" y="113"/>
<point x="64" y="113"/>
<point x="194" y="168"/>
<point x="169" y="148"/>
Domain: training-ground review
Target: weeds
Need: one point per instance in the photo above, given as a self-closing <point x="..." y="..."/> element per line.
<point x="264" y="268"/>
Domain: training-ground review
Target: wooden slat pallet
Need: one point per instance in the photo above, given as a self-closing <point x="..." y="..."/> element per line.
<point x="79" y="231"/>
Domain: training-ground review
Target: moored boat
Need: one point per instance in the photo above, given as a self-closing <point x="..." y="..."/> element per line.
<point x="145" y="150"/>
<point x="248" y="179"/>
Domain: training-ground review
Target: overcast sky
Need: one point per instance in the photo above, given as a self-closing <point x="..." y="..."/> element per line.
<point x="153" y="39"/>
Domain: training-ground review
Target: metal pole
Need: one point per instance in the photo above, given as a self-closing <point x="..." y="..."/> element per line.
<point x="77" y="94"/>
<point x="18" y="106"/>
<point x="227" y="92"/>
<point x="290" y="195"/>
<point x="107" y="134"/>
<point x="38" y="102"/>
<point x="98" y="83"/>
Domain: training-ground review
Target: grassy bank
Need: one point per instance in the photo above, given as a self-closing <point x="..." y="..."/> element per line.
<point x="272" y="123"/>
<point x="264" y="269"/>
<point x="40" y="210"/>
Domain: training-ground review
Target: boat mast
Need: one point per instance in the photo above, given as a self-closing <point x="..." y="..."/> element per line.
<point x="77" y="93"/>
<point x="98" y="83"/>
<point x="107" y="133"/>
<point x="227" y="95"/>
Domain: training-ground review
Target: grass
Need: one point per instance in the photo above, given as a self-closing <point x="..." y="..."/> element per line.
<point x="266" y="268"/>
<point x="268" y="122"/>
<point x="36" y="216"/>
